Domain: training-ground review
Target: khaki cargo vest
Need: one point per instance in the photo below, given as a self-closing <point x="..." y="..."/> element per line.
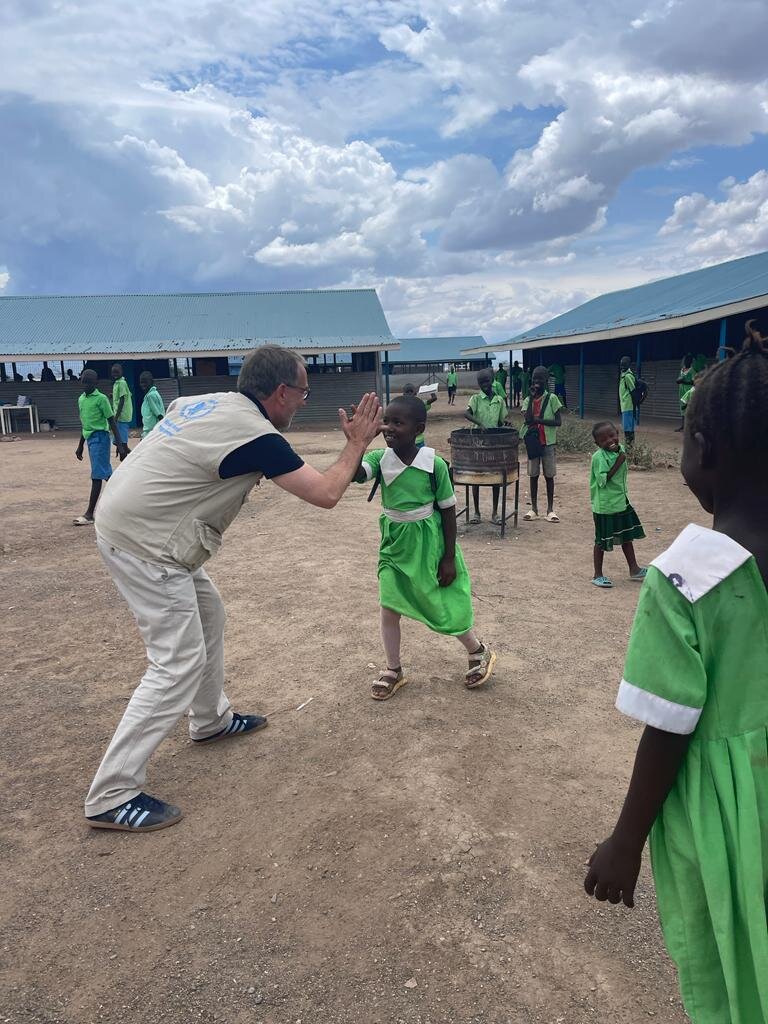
<point x="166" y="503"/>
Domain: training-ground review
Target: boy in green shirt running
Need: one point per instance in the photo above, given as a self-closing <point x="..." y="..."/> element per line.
<point x="487" y="410"/>
<point x="96" y="421"/>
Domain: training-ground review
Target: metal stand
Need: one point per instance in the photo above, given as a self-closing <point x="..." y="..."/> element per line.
<point x="502" y="479"/>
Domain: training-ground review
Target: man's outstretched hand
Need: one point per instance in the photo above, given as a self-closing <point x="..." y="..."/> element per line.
<point x="365" y="422"/>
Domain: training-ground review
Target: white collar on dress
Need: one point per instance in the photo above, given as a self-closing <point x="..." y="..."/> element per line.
<point x="392" y="466"/>
<point x="700" y="558"/>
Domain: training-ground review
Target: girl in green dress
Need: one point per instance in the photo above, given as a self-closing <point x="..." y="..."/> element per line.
<point x="422" y="574"/>
<point x="616" y="522"/>
<point x="696" y="674"/>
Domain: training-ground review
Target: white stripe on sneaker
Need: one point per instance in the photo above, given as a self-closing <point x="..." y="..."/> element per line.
<point x="141" y="817"/>
<point x="122" y="814"/>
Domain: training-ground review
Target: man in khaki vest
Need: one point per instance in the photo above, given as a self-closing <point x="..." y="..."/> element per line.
<point x="161" y="517"/>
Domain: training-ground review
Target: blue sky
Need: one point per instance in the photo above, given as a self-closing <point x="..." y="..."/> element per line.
<point x="485" y="165"/>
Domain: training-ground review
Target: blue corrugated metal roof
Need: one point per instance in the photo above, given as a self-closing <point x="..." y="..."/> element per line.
<point x="416" y="350"/>
<point x="698" y="292"/>
<point x="191" y="324"/>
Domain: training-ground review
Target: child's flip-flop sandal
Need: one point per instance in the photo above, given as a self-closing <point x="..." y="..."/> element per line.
<point x="553" y="517"/>
<point x="475" y="519"/>
<point x="602" y="581"/>
<point x="388" y="683"/>
<point x="530" y="515"/>
<point x="480" y="667"/>
<point x="640" y="574"/>
<point x="82" y="521"/>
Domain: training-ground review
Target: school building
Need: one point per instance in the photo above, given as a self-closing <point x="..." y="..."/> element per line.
<point x="192" y="344"/>
<point x="655" y="324"/>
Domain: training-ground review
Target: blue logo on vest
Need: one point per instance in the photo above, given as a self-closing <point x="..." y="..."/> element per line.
<point x="173" y="424"/>
<point x="197" y="410"/>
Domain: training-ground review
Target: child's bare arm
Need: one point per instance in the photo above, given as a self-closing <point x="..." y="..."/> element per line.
<point x="619" y="462"/>
<point x="446" y="570"/>
<point x="615" y="864"/>
<point x="120" y="445"/>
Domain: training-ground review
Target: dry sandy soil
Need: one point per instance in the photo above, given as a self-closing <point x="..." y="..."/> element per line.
<point x="414" y="861"/>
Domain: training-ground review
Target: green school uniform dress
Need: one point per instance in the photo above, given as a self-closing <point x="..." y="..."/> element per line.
<point x="412" y="542"/>
<point x="697" y="663"/>
<point x="616" y="522"/>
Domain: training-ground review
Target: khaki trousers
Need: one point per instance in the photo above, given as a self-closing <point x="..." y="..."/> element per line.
<point x="181" y="618"/>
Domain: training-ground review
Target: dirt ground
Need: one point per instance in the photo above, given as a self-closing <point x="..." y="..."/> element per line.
<point x="414" y="861"/>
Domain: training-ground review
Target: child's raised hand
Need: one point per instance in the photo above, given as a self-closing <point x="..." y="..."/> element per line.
<point x="613" y="871"/>
<point x="446" y="571"/>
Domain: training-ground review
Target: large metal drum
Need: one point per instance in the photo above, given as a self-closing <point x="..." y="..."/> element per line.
<point x="491" y="451"/>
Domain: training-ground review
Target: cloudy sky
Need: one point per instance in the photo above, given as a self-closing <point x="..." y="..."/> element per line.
<point x="484" y="164"/>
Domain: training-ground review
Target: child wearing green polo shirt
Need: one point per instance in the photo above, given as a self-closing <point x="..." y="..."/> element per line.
<point x="122" y="404"/>
<point x="452" y="382"/>
<point x="96" y="421"/>
<point x="541" y="411"/>
<point x="152" y="408"/>
<point x="616" y="522"/>
<point x="627" y="385"/>
<point x="525" y="384"/>
<point x="486" y="410"/>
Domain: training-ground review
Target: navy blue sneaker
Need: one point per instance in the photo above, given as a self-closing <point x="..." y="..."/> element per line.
<point x="239" y="726"/>
<point x="142" y="813"/>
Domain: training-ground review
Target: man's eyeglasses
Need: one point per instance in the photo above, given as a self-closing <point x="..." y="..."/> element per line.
<point x="305" y="392"/>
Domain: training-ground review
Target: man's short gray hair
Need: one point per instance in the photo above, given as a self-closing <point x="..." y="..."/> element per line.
<point x="264" y="370"/>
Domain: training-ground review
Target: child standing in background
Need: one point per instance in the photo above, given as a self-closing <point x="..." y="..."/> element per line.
<point x="422" y="574"/>
<point x="517" y="375"/>
<point x="452" y="382"/>
<point x="695" y="674"/>
<point x="627" y="385"/>
<point x="487" y="410"/>
<point x="541" y="412"/>
<point x="122" y="406"/>
<point x="96" y="421"/>
<point x="616" y="521"/>
<point x="525" y="384"/>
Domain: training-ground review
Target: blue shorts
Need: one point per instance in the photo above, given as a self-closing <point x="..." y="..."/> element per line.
<point x="122" y="430"/>
<point x="628" y="421"/>
<point x="98" y="453"/>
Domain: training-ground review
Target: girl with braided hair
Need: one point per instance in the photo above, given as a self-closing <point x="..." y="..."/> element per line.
<point x="696" y="674"/>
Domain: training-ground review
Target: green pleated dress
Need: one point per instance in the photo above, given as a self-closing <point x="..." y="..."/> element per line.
<point x="411" y="549"/>
<point x="698" y="663"/>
